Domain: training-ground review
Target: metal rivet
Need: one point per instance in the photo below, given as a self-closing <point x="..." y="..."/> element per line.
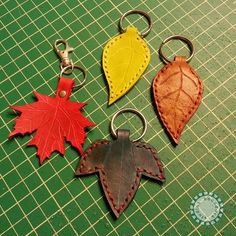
<point x="62" y="93"/>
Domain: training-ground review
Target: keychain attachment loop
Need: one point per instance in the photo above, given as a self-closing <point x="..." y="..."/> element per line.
<point x="177" y="37"/>
<point x="64" y="55"/>
<point x="144" y="33"/>
<point x="139" y="114"/>
<point x="69" y="68"/>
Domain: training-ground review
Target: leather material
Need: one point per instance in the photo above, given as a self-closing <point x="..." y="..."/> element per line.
<point x="65" y="85"/>
<point x="54" y="121"/>
<point x="120" y="165"/>
<point x="125" y="58"/>
<point x="177" y="92"/>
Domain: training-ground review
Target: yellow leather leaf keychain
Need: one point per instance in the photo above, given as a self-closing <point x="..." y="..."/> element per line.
<point x="125" y="58"/>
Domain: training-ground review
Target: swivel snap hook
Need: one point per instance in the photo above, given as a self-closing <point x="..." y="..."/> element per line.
<point x="64" y="54"/>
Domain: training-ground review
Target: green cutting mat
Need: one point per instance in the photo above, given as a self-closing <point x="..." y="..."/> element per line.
<point x="48" y="199"/>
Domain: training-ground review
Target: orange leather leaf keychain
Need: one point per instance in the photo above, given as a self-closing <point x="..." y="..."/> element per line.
<point x="177" y="91"/>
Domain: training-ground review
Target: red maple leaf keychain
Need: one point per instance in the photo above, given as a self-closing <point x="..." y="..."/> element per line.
<point x="55" y="118"/>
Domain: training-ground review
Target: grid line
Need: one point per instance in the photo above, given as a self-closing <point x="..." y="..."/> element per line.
<point x="189" y="170"/>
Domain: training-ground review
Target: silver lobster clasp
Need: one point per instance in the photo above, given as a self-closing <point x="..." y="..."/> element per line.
<point x="64" y="54"/>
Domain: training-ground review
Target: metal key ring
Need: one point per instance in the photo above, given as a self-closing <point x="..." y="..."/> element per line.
<point x="67" y="71"/>
<point x="177" y="37"/>
<point x="75" y="87"/>
<point x="139" y="114"/>
<point x="146" y="32"/>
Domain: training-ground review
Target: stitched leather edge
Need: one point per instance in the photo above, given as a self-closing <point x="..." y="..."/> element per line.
<point x="139" y="171"/>
<point x="191" y="111"/>
<point x="105" y="68"/>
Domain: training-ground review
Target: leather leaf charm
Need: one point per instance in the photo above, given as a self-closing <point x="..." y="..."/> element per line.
<point x="177" y="92"/>
<point x="55" y="118"/>
<point x="121" y="164"/>
<point x="125" y="58"/>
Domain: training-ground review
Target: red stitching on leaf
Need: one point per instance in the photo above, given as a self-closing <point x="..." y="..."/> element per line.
<point x="139" y="170"/>
<point x="154" y="153"/>
<point x="91" y="147"/>
<point x="192" y="108"/>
